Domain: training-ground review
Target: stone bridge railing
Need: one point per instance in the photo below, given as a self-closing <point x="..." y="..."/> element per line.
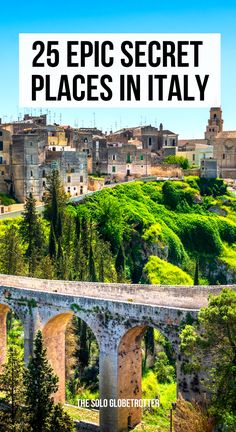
<point x="189" y="297"/>
<point x="118" y="315"/>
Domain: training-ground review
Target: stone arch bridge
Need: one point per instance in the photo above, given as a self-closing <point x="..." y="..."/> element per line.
<point x="118" y="315"/>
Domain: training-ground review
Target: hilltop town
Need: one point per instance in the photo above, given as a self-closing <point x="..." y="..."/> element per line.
<point x="87" y="158"/>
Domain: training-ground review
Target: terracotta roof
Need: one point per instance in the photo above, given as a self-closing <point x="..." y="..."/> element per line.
<point x="191" y="142"/>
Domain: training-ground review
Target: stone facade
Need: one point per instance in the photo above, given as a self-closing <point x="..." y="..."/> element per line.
<point x="31" y="150"/>
<point x="5" y="152"/>
<point x="195" y="150"/>
<point x="118" y="315"/>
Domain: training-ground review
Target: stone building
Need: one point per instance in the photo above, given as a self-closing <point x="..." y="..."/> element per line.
<point x="223" y="142"/>
<point x="72" y="166"/>
<point x="209" y="168"/>
<point x="5" y="151"/>
<point x="195" y="150"/>
<point x="30" y="153"/>
<point x="132" y="151"/>
<point x="152" y="138"/>
<point x="124" y="160"/>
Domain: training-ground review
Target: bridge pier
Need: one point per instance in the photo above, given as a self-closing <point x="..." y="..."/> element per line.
<point x="3" y="333"/>
<point x="120" y="374"/>
<point x="54" y="340"/>
<point x="108" y="388"/>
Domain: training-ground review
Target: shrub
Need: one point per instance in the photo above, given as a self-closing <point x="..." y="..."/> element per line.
<point x="181" y="161"/>
<point x="158" y="271"/>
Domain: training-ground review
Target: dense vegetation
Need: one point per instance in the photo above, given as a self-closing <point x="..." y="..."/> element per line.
<point x="27" y="392"/>
<point x="172" y="232"/>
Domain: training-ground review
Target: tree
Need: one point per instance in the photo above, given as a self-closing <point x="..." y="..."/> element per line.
<point x="11" y="384"/>
<point x="40" y="382"/>
<point x="32" y="234"/>
<point x="11" y="254"/>
<point x="196" y="273"/>
<point x="55" y="202"/>
<point x="181" y="161"/>
<point x="215" y="334"/>
<point x="52" y="243"/>
<point x="92" y="270"/>
<point x="59" y="421"/>
<point x="120" y="263"/>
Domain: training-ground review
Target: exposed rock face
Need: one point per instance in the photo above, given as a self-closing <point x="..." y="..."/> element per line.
<point x="218" y="272"/>
<point x="217" y="210"/>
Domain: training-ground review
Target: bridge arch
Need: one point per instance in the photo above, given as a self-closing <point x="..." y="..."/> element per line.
<point x="5" y="310"/>
<point x="129" y="375"/>
<point x="54" y="335"/>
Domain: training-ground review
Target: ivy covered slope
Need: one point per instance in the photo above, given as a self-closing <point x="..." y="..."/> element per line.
<point x="172" y="232"/>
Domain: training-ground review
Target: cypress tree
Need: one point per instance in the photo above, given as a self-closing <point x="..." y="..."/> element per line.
<point x="196" y="274"/>
<point x="92" y="270"/>
<point x="59" y="421"/>
<point x="40" y="382"/>
<point x="11" y="383"/>
<point x="85" y="237"/>
<point x="120" y="263"/>
<point x="32" y="234"/>
<point x="11" y="254"/>
<point x="52" y="243"/>
<point x="55" y="202"/>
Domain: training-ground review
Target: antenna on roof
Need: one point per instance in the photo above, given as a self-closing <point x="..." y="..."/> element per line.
<point x="94" y="120"/>
<point x="60" y="118"/>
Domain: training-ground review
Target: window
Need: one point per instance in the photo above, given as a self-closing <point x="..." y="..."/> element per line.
<point x="31" y="173"/>
<point x="141" y="166"/>
<point x="68" y="179"/>
<point x="74" y="188"/>
<point x="166" y="142"/>
<point x="223" y="155"/>
<point x="1" y="160"/>
<point x="81" y="190"/>
<point x="141" y="157"/>
<point x="113" y="169"/>
<point x="1" y="145"/>
<point x="193" y="157"/>
<point x="44" y="183"/>
<point x="72" y="170"/>
<point x="31" y="159"/>
<point x="68" y="189"/>
<point x="114" y="157"/>
<point x="54" y="149"/>
<point x="128" y="160"/>
<point x="31" y="143"/>
<point x="149" y="141"/>
<point x="44" y="174"/>
<point x="0" y="133"/>
<point x="173" y="142"/>
<point x="85" y="140"/>
<point x="81" y="179"/>
<point x="3" y="173"/>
